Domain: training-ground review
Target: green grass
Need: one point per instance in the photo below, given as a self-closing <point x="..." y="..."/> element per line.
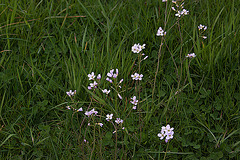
<point x="49" y="47"/>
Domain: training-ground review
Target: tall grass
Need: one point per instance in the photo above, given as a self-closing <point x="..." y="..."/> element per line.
<point x="49" y="47"/>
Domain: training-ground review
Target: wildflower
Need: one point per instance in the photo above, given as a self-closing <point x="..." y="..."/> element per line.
<point x="145" y="58"/>
<point x="161" y="135"/>
<point x="121" y="81"/>
<point x="109" y="117"/>
<point x="136" y="48"/>
<point x="119" y="96"/>
<point x="191" y="55"/>
<point x="99" y="76"/>
<point x="106" y="91"/>
<point x="184" y="12"/>
<point x="178" y="14"/>
<point x="140" y="77"/>
<point x="200" y="27"/>
<point x="89" y="113"/>
<point x="80" y="109"/>
<point x="137" y="76"/>
<point x="91" y="76"/>
<point x="100" y="124"/>
<point x="71" y="93"/>
<point x="160" y="32"/>
<point x="109" y="80"/>
<point x="118" y="121"/>
<point x="166" y="132"/>
<point x="204" y="37"/>
<point x="134" y="100"/>
<point x="134" y="107"/>
<point x="68" y="107"/>
<point x="89" y="87"/>
<point x="93" y="85"/>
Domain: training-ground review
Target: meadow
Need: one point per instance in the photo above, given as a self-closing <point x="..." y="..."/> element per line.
<point x="125" y="79"/>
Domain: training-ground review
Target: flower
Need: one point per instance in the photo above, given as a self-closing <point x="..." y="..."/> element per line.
<point x="109" y="117"/>
<point x="166" y="132"/>
<point x="119" y="96"/>
<point x="80" y="109"/>
<point x="109" y="80"/>
<point x="100" y="124"/>
<point x="200" y="27"/>
<point x="89" y="113"/>
<point x="134" y="107"/>
<point x="99" y="76"/>
<point x="91" y="76"/>
<point x="184" y="12"/>
<point x="134" y="76"/>
<point x="94" y="84"/>
<point x="160" y="32"/>
<point x="134" y="100"/>
<point x="71" y="93"/>
<point x="136" y="48"/>
<point x="118" y="121"/>
<point x="191" y="55"/>
<point x="178" y="14"/>
<point x="106" y="91"/>
<point x="137" y="76"/>
<point x="68" y="107"/>
<point x="140" y="77"/>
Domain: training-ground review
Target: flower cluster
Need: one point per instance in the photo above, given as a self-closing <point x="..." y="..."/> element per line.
<point x="106" y="91"/>
<point x="137" y="76"/>
<point x="89" y="113"/>
<point x="137" y="48"/>
<point x="134" y="102"/>
<point x="191" y="55"/>
<point x="180" y="10"/>
<point x="200" y="27"/>
<point x="111" y="74"/>
<point x="71" y="93"/>
<point x="161" y="32"/>
<point x="166" y="132"/>
<point x="92" y="77"/>
<point x="118" y="120"/>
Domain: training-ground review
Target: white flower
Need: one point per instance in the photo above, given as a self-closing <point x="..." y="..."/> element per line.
<point x="106" y="91"/>
<point x="200" y="27"/>
<point x="160" y="32"/>
<point x="109" y="117"/>
<point x="99" y="76"/>
<point x="80" y="109"/>
<point x="168" y="129"/>
<point x="91" y="76"/>
<point x="140" y="77"/>
<point x="100" y="124"/>
<point x="71" y="93"/>
<point x="68" y="107"/>
<point x="178" y="14"/>
<point x="118" y="121"/>
<point x="93" y="85"/>
<point x="134" y="107"/>
<point x="166" y="132"/>
<point x="136" y="48"/>
<point x="134" y="100"/>
<point x="119" y="96"/>
<point x="161" y="135"/>
<point x="135" y="76"/>
<point x="185" y="12"/>
<point x="191" y="55"/>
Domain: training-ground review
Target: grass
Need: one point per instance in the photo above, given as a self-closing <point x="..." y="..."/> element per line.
<point x="49" y="47"/>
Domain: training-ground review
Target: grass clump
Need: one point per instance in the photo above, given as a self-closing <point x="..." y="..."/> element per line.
<point x="133" y="80"/>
